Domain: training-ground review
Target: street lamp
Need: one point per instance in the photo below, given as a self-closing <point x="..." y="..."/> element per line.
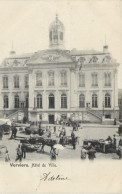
<point x="103" y="108"/>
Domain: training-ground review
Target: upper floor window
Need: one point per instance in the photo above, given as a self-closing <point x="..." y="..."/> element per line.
<point x="39" y="79"/>
<point x="94" y="59"/>
<point x="5" y="101"/>
<point x="107" y="100"/>
<point x="5" y="82"/>
<point x="51" y="78"/>
<point x="16" y="101"/>
<point x="63" y="101"/>
<point x="39" y="101"/>
<point x="63" y="78"/>
<point x="81" y="100"/>
<point x="26" y="81"/>
<point x="94" y="79"/>
<point x="94" y="101"/>
<point x="16" y="81"/>
<point x="107" y="77"/>
<point x="81" y="80"/>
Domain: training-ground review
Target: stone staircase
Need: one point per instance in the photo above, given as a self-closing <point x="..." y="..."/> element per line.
<point x="95" y="113"/>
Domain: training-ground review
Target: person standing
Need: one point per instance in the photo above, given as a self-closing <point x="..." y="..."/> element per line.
<point x="7" y="158"/>
<point x="91" y="153"/>
<point x="19" y="153"/>
<point x="53" y="154"/>
<point x="23" y="148"/>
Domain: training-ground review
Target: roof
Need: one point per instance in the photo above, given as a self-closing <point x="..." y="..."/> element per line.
<point x="85" y="52"/>
<point x="50" y="56"/>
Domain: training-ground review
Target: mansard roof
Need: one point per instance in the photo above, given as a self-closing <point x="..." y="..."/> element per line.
<point x="51" y="56"/>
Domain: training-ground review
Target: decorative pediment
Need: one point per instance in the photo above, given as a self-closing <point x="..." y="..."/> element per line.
<point x="50" y="58"/>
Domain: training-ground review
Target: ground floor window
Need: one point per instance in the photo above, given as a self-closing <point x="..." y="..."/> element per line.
<point x="94" y="101"/>
<point x="63" y="101"/>
<point x="6" y="102"/>
<point x="16" y="101"/>
<point x="39" y="101"/>
<point x="108" y="116"/>
<point x="107" y="100"/>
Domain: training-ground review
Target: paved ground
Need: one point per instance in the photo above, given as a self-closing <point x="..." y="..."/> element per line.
<point x="85" y="132"/>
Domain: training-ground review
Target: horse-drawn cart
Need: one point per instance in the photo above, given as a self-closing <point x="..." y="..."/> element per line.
<point x="100" y="145"/>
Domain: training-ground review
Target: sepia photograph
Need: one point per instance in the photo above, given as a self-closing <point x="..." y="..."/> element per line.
<point x="61" y="89"/>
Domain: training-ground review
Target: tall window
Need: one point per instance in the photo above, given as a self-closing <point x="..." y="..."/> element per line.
<point x="63" y="101"/>
<point x="16" y="101"/>
<point x="94" y="101"/>
<point x="26" y="81"/>
<point x="27" y="101"/>
<point x="107" y="79"/>
<point x="107" y="100"/>
<point x="81" y="80"/>
<point x="94" y="79"/>
<point x="6" y="102"/>
<point x="63" y="78"/>
<point x="51" y="101"/>
<point x="39" y="79"/>
<point x="50" y="35"/>
<point x="61" y="35"/>
<point x="81" y="100"/>
<point x="55" y="35"/>
<point x="16" y="81"/>
<point x="51" y="78"/>
<point x="5" y="82"/>
<point x="39" y="101"/>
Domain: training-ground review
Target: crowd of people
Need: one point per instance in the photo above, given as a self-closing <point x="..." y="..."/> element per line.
<point x="60" y="132"/>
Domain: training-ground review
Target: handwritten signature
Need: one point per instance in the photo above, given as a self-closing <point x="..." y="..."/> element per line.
<point x="50" y="177"/>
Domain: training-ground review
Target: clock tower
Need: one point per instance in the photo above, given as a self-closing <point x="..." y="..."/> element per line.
<point x="56" y="34"/>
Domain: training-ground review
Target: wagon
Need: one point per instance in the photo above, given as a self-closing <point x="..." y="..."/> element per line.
<point x="99" y="145"/>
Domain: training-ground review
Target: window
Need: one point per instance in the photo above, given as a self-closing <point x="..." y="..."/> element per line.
<point x="39" y="101"/>
<point x="63" y="78"/>
<point x="107" y="100"/>
<point x="94" y="79"/>
<point x="107" y="77"/>
<point x="16" y="101"/>
<point x="81" y="80"/>
<point x="26" y="101"/>
<point x="51" y="78"/>
<point x="94" y="100"/>
<point x="51" y="101"/>
<point x="6" y="103"/>
<point x="61" y="35"/>
<point x="50" y="35"/>
<point x="39" y="79"/>
<point x="81" y="100"/>
<point x="94" y="59"/>
<point x="63" y="101"/>
<point x="5" y="82"/>
<point x="16" y="81"/>
<point x="26" y="81"/>
<point x="55" y="35"/>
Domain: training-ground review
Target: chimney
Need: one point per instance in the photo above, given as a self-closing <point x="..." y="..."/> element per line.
<point x="105" y="49"/>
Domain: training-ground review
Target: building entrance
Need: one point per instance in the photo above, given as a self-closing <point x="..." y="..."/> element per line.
<point x="51" y="119"/>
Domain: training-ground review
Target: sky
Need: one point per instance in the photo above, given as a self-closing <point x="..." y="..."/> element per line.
<point x="88" y="25"/>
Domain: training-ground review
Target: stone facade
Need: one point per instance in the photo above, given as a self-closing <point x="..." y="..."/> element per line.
<point x="58" y="83"/>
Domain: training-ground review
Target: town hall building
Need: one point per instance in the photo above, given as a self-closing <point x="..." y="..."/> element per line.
<point x="56" y="83"/>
